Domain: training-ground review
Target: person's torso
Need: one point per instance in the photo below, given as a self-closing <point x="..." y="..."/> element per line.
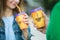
<point x="17" y="31"/>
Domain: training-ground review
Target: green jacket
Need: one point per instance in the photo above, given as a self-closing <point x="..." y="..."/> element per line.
<point x="53" y="29"/>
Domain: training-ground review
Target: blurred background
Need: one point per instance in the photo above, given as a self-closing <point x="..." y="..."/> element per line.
<point x="47" y="5"/>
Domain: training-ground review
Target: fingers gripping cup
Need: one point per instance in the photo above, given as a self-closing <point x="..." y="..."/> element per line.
<point x="38" y="17"/>
<point x="19" y="20"/>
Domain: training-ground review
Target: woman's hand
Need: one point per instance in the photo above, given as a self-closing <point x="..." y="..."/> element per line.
<point x="25" y="18"/>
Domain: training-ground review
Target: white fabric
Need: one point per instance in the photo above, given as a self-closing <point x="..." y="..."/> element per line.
<point x="37" y="34"/>
<point x="8" y="28"/>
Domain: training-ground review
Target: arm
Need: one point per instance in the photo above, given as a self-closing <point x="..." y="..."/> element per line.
<point x="25" y="34"/>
